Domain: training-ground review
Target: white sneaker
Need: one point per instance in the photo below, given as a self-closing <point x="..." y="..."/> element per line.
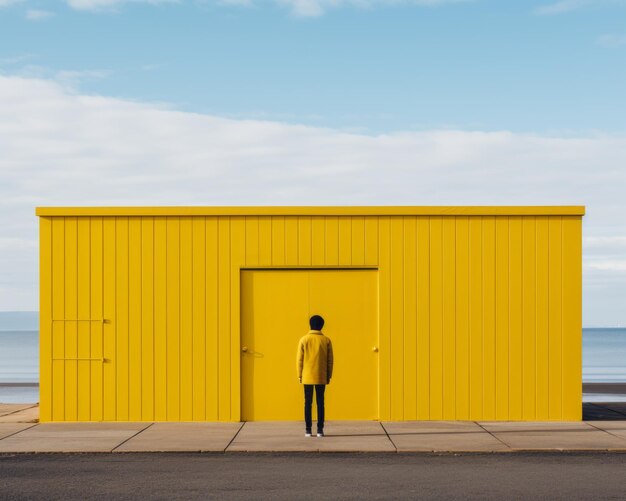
<point x="308" y="435"/>
<point x="320" y="434"/>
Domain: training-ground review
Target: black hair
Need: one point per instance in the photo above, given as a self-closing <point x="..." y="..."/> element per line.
<point x="316" y="322"/>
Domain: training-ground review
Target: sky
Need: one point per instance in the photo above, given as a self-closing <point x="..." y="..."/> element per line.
<point x="311" y="102"/>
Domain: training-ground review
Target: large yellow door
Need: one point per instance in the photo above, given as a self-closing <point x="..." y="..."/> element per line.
<point x="275" y="309"/>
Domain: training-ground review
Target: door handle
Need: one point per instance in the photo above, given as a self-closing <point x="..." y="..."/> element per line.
<point x="375" y="349"/>
<point x="244" y="348"/>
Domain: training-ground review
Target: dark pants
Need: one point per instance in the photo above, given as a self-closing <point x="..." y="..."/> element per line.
<point x="308" y="402"/>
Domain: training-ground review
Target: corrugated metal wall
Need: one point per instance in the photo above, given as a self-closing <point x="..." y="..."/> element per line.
<point x="480" y="316"/>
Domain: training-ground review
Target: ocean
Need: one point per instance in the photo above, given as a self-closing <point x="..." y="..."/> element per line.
<point x="604" y="361"/>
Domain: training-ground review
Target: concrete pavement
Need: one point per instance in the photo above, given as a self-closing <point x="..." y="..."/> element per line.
<point x="19" y="413"/>
<point x="604" y="430"/>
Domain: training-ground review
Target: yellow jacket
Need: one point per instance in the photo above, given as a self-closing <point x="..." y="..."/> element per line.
<point x="314" y="359"/>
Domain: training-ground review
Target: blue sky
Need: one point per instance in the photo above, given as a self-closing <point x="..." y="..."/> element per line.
<point x="523" y="66"/>
<point x="310" y="102"/>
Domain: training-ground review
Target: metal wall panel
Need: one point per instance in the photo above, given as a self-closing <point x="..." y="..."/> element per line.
<point x="479" y="315"/>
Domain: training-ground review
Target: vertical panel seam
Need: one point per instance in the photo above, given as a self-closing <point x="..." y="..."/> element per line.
<point x="88" y="250"/>
<point x="285" y="261"/>
<point x="180" y="334"/>
<point x="428" y="292"/>
<point x="549" y="310"/>
<point x="430" y="368"/>
<point x="128" y="345"/>
<point x="561" y="312"/>
<point x="416" y="277"/>
<point x="140" y="315"/>
<point x="535" y="242"/>
<point x="191" y="299"/>
<point x="50" y="392"/>
<point x="466" y="245"/>
<point x="469" y="308"/>
<point x="350" y="244"/>
<point x="77" y="328"/>
<point x="166" y="316"/>
<point x="338" y="219"/>
<point x="64" y="316"/>
<point x="378" y="379"/>
<point x="204" y="280"/>
<point x="102" y="330"/>
<point x="325" y="260"/>
<point x="230" y="307"/>
<point x="495" y="315"/>
<point x="508" y="314"/>
<point x="495" y="321"/>
<point x="522" y="317"/>
<point x="364" y="240"/>
<point x="311" y="239"/>
<point x="349" y="239"/>
<point x="388" y="307"/>
<point x="115" y="302"/>
<point x="218" y="284"/>
<point x="482" y="316"/>
<point x="403" y="285"/>
<point x="443" y="298"/>
<point x="455" y="276"/>
<point x="153" y="410"/>
<point x="414" y="355"/>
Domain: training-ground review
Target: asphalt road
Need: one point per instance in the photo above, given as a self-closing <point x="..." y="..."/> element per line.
<point x="313" y="476"/>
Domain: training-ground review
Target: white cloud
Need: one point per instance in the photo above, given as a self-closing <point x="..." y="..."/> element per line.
<point x="6" y="3"/>
<point x="17" y="59"/>
<point x="300" y="8"/>
<point x="611" y="40"/>
<point x="314" y="8"/>
<point x="240" y="3"/>
<point x="64" y="148"/>
<point x="612" y="265"/>
<point x="564" y="6"/>
<point x="103" y="5"/>
<point x="605" y="242"/>
<point x="38" y="15"/>
<point x="72" y="78"/>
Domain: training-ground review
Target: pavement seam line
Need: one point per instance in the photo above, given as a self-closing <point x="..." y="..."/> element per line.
<point x="497" y="438"/>
<point x="20" y="431"/>
<point x="388" y="437"/>
<point x="18" y="410"/>
<point x="606" y="431"/>
<point x="132" y="436"/>
<point x="235" y="436"/>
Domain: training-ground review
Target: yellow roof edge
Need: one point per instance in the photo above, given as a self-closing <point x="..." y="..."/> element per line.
<point x="506" y="210"/>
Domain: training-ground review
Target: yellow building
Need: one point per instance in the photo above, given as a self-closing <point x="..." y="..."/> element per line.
<point x="194" y="313"/>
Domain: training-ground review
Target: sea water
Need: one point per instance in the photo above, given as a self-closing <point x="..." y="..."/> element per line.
<point x="604" y="355"/>
<point x="604" y="361"/>
<point x="19" y="363"/>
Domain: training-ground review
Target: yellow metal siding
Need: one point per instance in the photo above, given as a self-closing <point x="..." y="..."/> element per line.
<point x="147" y="320"/>
<point x="479" y="315"/>
<point x="45" y="319"/>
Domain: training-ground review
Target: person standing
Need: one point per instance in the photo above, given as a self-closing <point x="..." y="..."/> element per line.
<point x="314" y="366"/>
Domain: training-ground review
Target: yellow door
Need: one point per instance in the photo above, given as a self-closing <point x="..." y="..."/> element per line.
<point x="275" y="310"/>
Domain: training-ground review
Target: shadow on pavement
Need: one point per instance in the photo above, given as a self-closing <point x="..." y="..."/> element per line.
<point x="604" y="411"/>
